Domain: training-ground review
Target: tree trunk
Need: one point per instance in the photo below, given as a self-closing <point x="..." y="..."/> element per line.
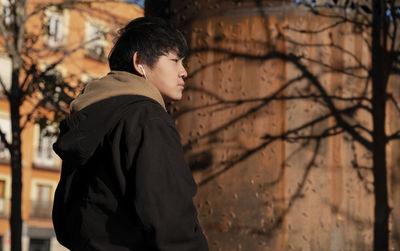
<point x="381" y="212"/>
<point x="379" y="83"/>
<point x="16" y="166"/>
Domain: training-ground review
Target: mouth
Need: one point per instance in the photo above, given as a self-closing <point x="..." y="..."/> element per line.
<point x="182" y="86"/>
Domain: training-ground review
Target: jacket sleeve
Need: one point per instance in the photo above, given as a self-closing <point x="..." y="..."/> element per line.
<point x="164" y="190"/>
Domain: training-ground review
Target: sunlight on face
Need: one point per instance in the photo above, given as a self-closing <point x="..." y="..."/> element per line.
<point x="167" y="75"/>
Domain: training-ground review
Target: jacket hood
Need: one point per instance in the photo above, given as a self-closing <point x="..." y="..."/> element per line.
<point x="98" y="108"/>
<point x="114" y="84"/>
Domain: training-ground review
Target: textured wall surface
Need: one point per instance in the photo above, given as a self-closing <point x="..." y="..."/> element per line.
<point x="276" y="171"/>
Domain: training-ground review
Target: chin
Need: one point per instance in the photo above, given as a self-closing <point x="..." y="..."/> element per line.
<point x="168" y="99"/>
<point x="177" y="97"/>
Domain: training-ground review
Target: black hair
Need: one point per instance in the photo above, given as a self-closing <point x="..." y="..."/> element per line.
<point x="151" y="37"/>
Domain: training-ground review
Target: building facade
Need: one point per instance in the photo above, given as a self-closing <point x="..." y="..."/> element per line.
<point x="86" y="29"/>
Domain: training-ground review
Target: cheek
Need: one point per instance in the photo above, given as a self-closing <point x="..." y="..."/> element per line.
<point x="164" y="77"/>
<point x="163" y="83"/>
<point x="169" y="76"/>
<point x="156" y="77"/>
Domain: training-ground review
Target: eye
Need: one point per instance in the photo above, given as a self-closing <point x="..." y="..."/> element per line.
<point x="175" y="60"/>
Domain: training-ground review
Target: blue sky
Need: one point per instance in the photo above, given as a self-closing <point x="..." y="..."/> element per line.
<point x="138" y="2"/>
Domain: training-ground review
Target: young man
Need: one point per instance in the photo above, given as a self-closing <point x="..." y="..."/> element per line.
<point x="124" y="183"/>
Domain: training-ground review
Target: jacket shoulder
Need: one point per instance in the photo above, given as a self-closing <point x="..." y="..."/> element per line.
<point x="145" y="111"/>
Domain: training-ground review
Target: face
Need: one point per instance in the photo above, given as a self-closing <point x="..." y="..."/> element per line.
<point x="167" y="75"/>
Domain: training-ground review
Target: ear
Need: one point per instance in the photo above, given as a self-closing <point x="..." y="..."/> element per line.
<point x="136" y="62"/>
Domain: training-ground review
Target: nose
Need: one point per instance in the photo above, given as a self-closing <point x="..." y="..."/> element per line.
<point x="182" y="72"/>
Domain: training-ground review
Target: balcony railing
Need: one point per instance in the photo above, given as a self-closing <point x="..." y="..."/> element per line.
<point x="38" y="209"/>
<point x="41" y="209"/>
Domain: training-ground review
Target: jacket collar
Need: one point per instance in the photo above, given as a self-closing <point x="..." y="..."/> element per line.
<point x="115" y="83"/>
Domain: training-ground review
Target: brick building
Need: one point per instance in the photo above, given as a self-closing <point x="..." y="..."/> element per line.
<point x="87" y="29"/>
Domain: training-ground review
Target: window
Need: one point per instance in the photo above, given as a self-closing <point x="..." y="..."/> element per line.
<point x="36" y="244"/>
<point x="42" y="202"/>
<point x="96" y="41"/>
<point x="5" y="126"/>
<point x="55" y="25"/>
<point x="5" y="72"/>
<point x="2" y="197"/>
<point x="56" y="21"/>
<point x="5" y="181"/>
<point x="42" y="194"/>
<point x="45" y="156"/>
<point x="51" y="85"/>
<point x="8" y="19"/>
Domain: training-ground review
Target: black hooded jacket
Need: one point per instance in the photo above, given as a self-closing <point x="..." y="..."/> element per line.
<point x="124" y="183"/>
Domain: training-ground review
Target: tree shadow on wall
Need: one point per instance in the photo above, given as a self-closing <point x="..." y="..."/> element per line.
<point x="332" y="85"/>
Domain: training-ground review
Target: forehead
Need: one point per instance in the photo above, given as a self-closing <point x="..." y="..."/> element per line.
<point x="175" y="52"/>
<point x="171" y="53"/>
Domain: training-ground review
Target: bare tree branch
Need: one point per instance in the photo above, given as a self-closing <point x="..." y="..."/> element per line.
<point x="344" y="18"/>
<point x="295" y="60"/>
<point x="222" y="101"/>
<point x="308" y="124"/>
<point x="54" y="64"/>
<point x="395" y="135"/>
<point x="4" y="32"/>
<point x="365" y="142"/>
<point x="64" y="4"/>
<point x="4" y="88"/>
<point x="341" y="49"/>
<point x="394" y="101"/>
<point x="31" y="113"/>
<point x="363" y="128"/>
<point x="359" y="168"/>
<point x="19" y="25"/>
<point x="4" y="139"/>
<point x="315" y="31"/>
<point x="337" y="70"/>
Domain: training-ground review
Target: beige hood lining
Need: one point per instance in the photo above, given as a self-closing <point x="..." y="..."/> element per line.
<point x="116" y="83"/>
